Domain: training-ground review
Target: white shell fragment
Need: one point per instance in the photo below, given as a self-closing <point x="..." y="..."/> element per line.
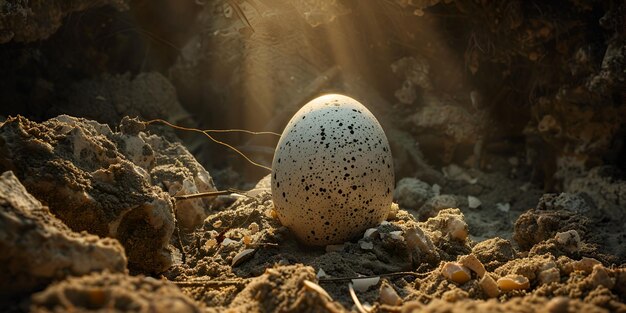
<point x="228" y="241"/>
<point x="332" y="173"/>
<point x="416" y="240"/>
<point x="569" y="239"/>
<point x="513" y="282"/>
<point x="456" y="272"/>
<point x="370" y="232"/>
<point x="396" y="235"/>
<point x="489" y="286"/>
<point x="242" y="257"/>
<point x="473" y="263"/>
<point x="362" y="284"/>
<point x="389" y="296"/>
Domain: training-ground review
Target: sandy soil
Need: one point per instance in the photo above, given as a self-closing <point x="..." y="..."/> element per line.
<point x="480" y="241"/>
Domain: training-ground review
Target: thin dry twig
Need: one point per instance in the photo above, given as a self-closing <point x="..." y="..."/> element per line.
<point x="206" y="133"/>
<point x="358" y="304"/>
<point x="342" y="279"/>
<point x="209" y="194"/>
<point x="236" y="130"/>
<point x="206" y="283"/>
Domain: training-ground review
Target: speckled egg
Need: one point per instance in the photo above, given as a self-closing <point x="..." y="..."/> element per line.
<point x="332" y="173"/>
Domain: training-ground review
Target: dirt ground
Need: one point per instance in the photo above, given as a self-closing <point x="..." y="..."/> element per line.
<point x="517" y="241"/>
<point x="559" y="249"/>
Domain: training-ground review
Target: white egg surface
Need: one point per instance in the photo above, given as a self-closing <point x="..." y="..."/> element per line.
<point x="332" y="173"/>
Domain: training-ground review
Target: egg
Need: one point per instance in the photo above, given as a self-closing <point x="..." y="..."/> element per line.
<point x="332" y="172"/>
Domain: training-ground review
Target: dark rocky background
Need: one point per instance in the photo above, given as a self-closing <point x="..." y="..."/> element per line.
<point x="460" y="81"/>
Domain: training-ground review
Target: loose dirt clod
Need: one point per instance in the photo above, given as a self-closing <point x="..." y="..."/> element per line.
<point x="37" y="248"/>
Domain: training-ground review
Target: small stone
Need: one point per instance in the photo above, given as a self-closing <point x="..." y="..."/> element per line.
<point x="417" y="239"/>
<point x="436" y="189"/>
<point x="228" y="241"/>
<point x="550" y="275"/>
<point x="321" y="273"/>
<point x="585" y="264"/>
<point x="570" y="239"/>
<point x="365" y="245"/>
<point x="412" y="193"/>
<point x="473" y="202"/>
<point x="600" y="277"/>
<point x="456" y="172"/>
<point x="504" y="207"/>
<point x="457" y="229"/>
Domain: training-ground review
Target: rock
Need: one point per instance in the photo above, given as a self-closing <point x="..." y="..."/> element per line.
<point x="176" y="170"/>
<point x="415" y="72"/>
<point x="412" y="193"/>
<point x="444" y="124"/>
<point x="574" y="202"/>
<point x="108" y="291"/>
<point x="603" y="185"/>
<point x="448" y="232"/>
<point x="436" y="204"/>
<point x="473" y="202"/>
<point x="37" y="248"/>
<point x="536" y="225"/>
<point x="26" y="21"/>
<point x="109" y="98"/>
<point x="107" y="183"/>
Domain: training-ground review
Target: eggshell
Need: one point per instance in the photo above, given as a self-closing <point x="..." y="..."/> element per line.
<point x="332" y="173"/>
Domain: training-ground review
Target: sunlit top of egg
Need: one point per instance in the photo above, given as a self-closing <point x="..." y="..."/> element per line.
<point x="332" y="173"/>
